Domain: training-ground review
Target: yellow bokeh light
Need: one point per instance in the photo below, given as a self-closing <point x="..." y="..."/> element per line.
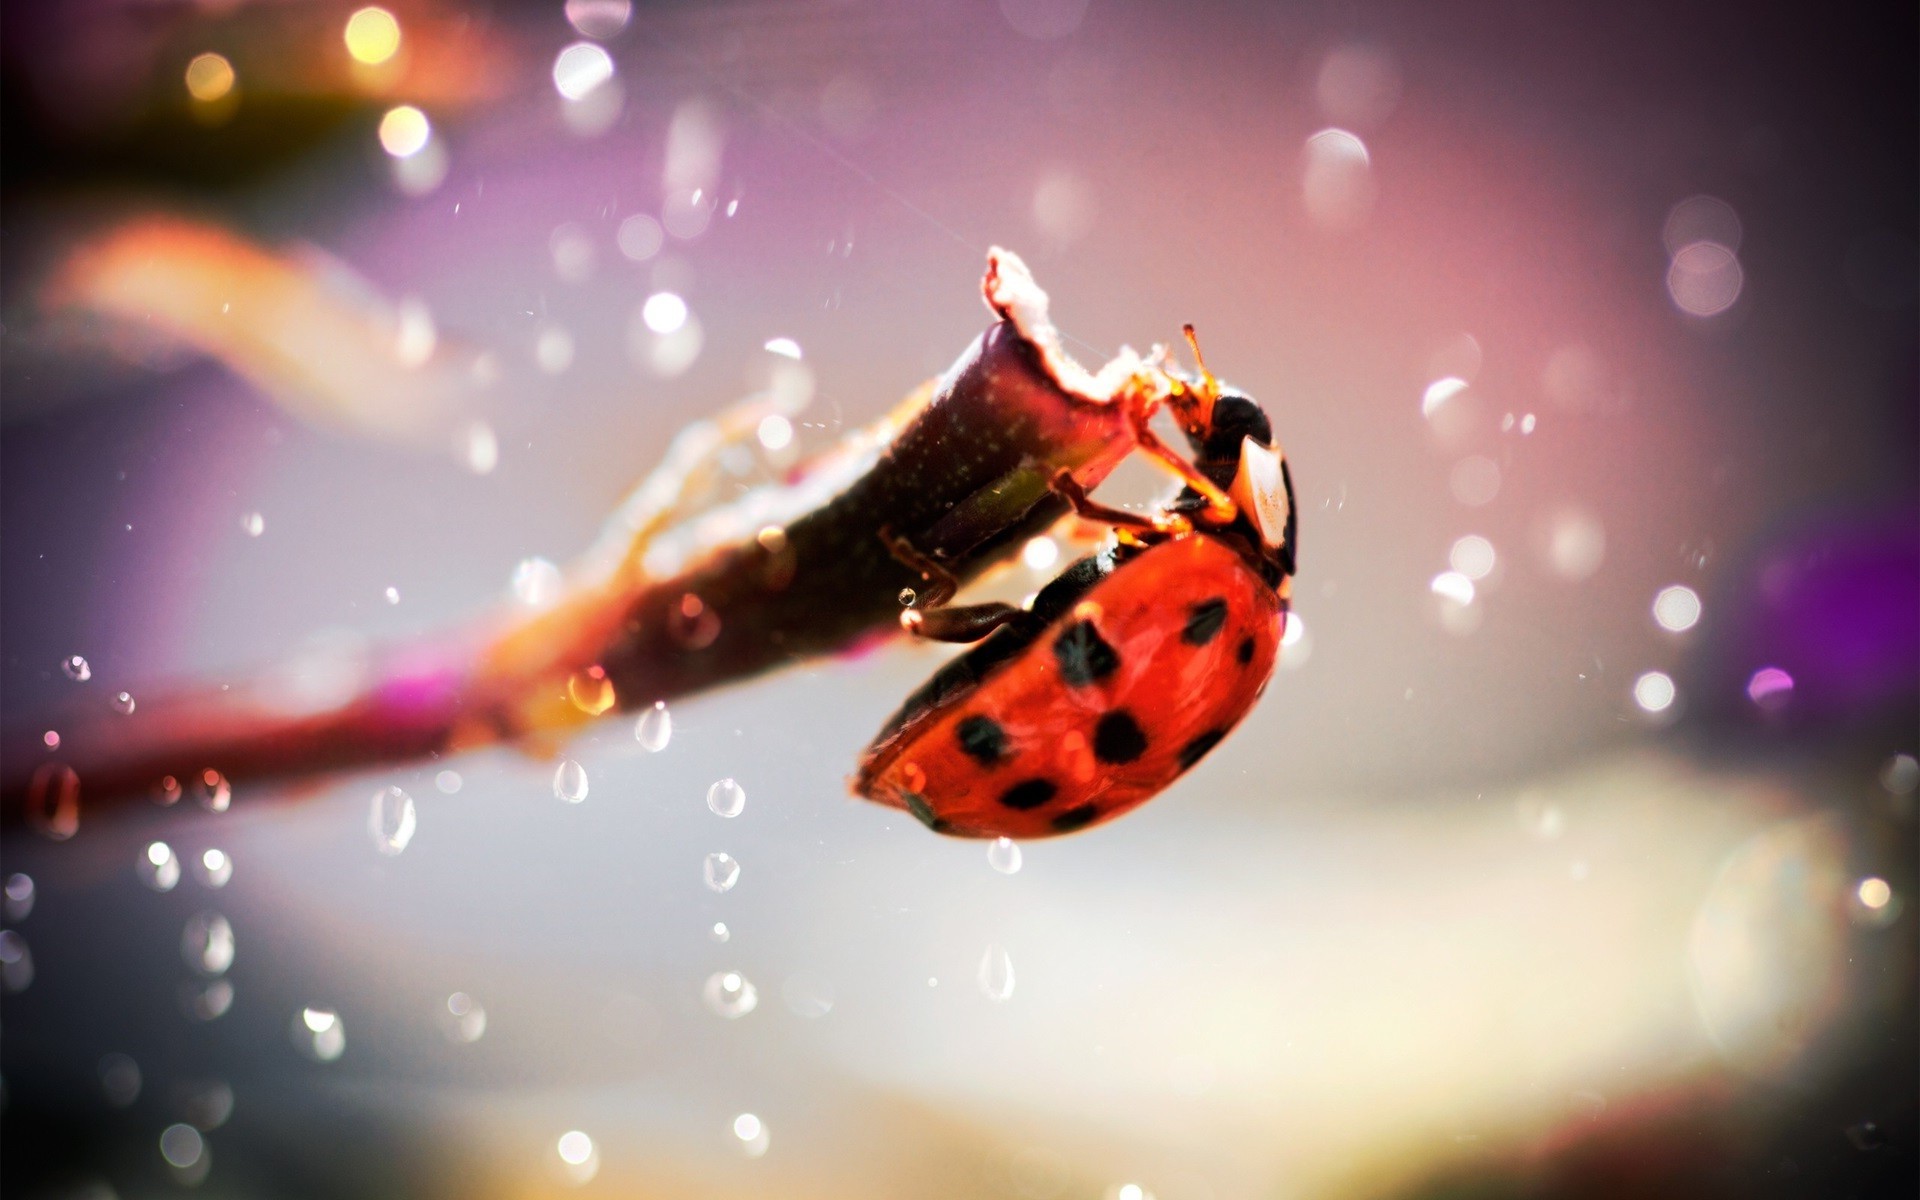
<point x="373" y="36"/>
<point x="209" y="77"/>
<point x="1874" y="892"/>
<point x="404" y="131"/>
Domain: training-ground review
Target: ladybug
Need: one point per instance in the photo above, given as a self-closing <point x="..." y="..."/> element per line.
<point x="1123" y="672"/>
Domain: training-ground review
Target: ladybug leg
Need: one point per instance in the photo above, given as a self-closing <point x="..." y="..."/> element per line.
<point x="941" y="584"/>
<point x="1220" y="507"/>
<point x="1088" y="508"/>
<point x="957" y="623"/>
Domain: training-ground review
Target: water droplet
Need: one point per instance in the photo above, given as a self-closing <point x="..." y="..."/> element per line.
<point x="996" y="973"/>
<point x="807" y="995"/>
<point x="212" y="791"/>
<point x="590" y="690"/>
<point x="51" y="739"/>
<point x="1866" y="1136"/>
<point x="53" y="801"/>
<point x="579" y="1157"/>
<point x="654" y="729"/>
<point x="720" y="932"/>
<point x="722" y="871"/>
<point x="19" y="896"/>
<point x="727" y="798"/>
<point x="16" y="962"/>
<point x="752" y="1132"/>
<point x="209" y="1002"/>
<point x="214" y="867"/>
<point x="207" y="943"/>
<point x="448" y="782"/>
<point x="536" y="582"/>
<point x="907" y="597"/>
<point x="204" y="1104"/>
<point x="319" y="1034"/>
<point x="570" y="782"/>
<point x="77" y="668"/>
<point x="462" y="1019"/>
<point x="730" y="994"/>
<point x="159" y="867"/>
<point x="123" y="703"/>
<point x="119" y="1079"/>
<point x="1003" y="855"/>
<point x="1900" y="774"/>
<point x="391" y="821"/>
<point x="393" y="595"/>
<point x="254" y="524"/>
<point x="167" y="792"/>
<point x="183" y="1147"/>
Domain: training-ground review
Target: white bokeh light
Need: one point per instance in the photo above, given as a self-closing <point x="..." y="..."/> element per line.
<point x="1677" y="608"/>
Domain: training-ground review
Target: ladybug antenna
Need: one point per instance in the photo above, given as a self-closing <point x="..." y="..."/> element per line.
<point x="1209" y="389"/>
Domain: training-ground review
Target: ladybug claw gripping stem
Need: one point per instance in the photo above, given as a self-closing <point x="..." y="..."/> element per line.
<point x="941" y="583"/>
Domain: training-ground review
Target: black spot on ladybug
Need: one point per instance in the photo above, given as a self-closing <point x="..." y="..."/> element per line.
<point x="1085" y="657"/>
<point x="918" y="806"/>
<point x="1118" y="738"/>
<point x="1204" y="621"/>
<point x="1075" y="818"/>
<point x="1245" y="651"/>
<point x="1196" y="749"/>
<point x="982" y="739"/>
<point x="1028" y="793"/>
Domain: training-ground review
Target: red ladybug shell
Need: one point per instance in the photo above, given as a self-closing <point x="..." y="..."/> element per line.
<point x="1143" y="675"/>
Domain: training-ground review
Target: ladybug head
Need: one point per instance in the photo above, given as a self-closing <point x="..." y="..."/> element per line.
<point x="1232" y="442"/>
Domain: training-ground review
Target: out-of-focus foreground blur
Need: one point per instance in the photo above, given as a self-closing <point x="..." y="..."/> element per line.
<point x="1571" y="852"/>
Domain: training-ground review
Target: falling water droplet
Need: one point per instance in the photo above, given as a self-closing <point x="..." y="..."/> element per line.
<point x="730" y="994"/>
<point x="752" y="1132"/>
<point x="207" y="943"/>
<point x="207" y="1003"/>
<point x="254" y="524"/>
<point x="462" y="1019"/>
<point x="77" y="668"/>
<point x="159" y="867"/>
<point x="654" y="729"/>
<point x="590" y="690"/>
<point x="579" y="1157"/>
<point x="212" y="791"/>
<point x="393" y="595"/>
<point x="16" y="962"/>
<point x="392" y="821"/>
<point x="570" y="782"/>
<point x="722" y="871"/>
<point x="907" y="597"/>
<point x="1003" y="855"/>
<point x="448" y="782"/>
<point x="996" y="973"/>
<point x="319" y="1034"/>
<point x="19" y="894"/>
<point x="123" y="703"/>
<point x="204" y="1104"/>
<point x="119" y="1079"/>
<point x="185" y="1151"/>
<point x="214" y="867"/>
<point x="167" y="792"/>
<point x="720" y="932"/>
<point x="727" y="798"/>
